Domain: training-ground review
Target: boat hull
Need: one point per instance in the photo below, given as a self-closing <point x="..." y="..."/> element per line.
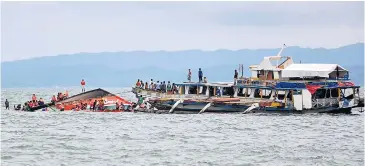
<point x="196" y="107"/>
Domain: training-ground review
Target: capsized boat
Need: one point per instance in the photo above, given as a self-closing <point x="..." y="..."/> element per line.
<point x="84" y="101"/>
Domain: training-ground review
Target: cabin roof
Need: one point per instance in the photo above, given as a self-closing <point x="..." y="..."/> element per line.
<point x="220" y="84"/>
<point x="311" y="70"/>
<point x="266" y="64"/>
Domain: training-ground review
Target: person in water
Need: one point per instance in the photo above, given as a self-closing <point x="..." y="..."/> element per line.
<point x="200" y="75"/>
<point x="83" y="83"/>
<point x="6" y="104"/>
<point x="189" y="75"/>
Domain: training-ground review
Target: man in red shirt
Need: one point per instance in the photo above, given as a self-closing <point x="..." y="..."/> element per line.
<point x="83" y="85"/>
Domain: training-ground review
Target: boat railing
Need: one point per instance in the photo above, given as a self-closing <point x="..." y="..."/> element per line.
<point x="319" y="103"/>
<point x="256" y="82"/>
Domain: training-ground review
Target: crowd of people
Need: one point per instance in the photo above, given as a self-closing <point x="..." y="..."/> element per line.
<point x="158" y="86"/>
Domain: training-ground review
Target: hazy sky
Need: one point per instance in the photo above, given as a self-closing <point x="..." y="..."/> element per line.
<point x="33" y="29"/>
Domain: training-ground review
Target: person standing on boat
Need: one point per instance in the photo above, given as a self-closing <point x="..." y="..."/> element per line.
<point x="6" y="104"/>
<point x="189" y="75"/>
<point x="159" y="86"/>
<point x="83" y="85"/>
<point x="164" y="87"/>
<point x="200" y="75"/>
<point x="169" y="87"/>
<point x="146" y="86"/>
<point x="235" y="77"/>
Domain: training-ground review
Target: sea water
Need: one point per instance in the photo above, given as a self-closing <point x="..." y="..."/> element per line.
<point x="91" y="138"/>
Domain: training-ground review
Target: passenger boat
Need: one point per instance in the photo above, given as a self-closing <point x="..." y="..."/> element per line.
<point x="282" y="88"/>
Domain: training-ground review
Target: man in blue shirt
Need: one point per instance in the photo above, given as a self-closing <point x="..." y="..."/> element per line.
<point x="200" y="75"/>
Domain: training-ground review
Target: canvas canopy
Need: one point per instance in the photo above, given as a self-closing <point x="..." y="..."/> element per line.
<point x="313" y="70"/>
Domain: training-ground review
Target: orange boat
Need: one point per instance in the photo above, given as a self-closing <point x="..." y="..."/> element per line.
<point x="107" y="102"/>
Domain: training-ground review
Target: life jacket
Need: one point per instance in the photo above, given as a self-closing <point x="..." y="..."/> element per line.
<point x="138" y="84"/>
<point x="66" y="94"/>
<point x="34" y="98"/>
<point x="82" y="82"/>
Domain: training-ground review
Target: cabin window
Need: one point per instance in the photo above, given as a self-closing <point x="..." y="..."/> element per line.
<point x="193" y="90"/>
<point x="228" y="91"/>
<point x="182" y="89"/>
<point x="290" y="96"/>
<point x="211" y="91"/>
<point x="320" y="93"/>
<point x="334" y="92"/>
<point x="204" y="91"/>
<point x="257" y="93"/>
<point x="241" y="92"/>
<point x="281" y="95"/>
<point x="328" y="93"/>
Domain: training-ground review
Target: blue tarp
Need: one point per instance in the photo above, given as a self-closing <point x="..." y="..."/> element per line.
<point x="290" y="85"/>
<point x="328" y="84"/>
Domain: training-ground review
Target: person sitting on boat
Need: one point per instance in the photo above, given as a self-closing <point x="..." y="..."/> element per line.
<point x="138" y="83"/>
<point x="140" y="100"/>
<point x="169" y="87"/>
<point x="94" y="105"/>
<point x="189" y="75"/>
<point x="40" y="102"/>
<point x="116" y="105"/>
<point x="34" y="98"/>
<point x="53" y="99"/>
<point x="174" y="88"/>
<point x="205" y="80"/>
<point x="101" y="104"/>
<point x="146" y="86"/>
<point x="142" y="85"/>
<point x="200" y="73"/>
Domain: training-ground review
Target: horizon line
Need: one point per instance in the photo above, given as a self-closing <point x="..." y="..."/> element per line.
<point x="221" y="49"/>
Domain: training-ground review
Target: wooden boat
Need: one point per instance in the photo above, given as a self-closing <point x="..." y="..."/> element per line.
<point x="286" y="87"/>
<point x="87" y="99"/>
